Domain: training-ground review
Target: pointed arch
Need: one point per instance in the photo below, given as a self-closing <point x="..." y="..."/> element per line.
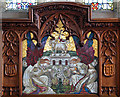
<point x="25" y="32"/>
<point x="96" y="33"/>
<point x="58" y="16"/>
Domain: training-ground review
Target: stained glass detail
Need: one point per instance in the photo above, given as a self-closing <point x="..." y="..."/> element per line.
<point x="19" y="4"/>
<point x="60" y="65"/>
<point x="94" y="6"/>
<point x="100" y="4"/>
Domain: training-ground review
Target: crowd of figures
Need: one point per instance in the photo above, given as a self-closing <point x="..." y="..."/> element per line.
<point x="79" y="77"/>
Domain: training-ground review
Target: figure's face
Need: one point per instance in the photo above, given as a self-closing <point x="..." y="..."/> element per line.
<point x="73" y="65"/>
<point x="78" y="60"/>
<point x="74" y="61"/>
<point x="94" y="63"/>
<point x="42" y="61"/>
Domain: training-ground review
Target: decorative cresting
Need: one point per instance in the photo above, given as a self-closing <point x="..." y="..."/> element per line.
<point x="80" y="12"/>
<point x="10" y="90"/>
<point x="10" y="53"/>
<point x="72" y="15"/>
<point x="99" y="24"/>
<point x="109" y="48"/>
<point x="108" y="90"/>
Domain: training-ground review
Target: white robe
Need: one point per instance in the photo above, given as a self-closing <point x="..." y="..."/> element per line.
<point x="35" y="74"/>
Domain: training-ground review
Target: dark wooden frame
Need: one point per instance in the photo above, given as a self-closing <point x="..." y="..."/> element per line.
<point x="98" y="26"/>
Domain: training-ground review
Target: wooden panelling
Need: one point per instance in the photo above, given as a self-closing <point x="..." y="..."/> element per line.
<point x="42" y="21"/>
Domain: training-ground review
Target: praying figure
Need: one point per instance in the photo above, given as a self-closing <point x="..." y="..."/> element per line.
<point x="83" y="79"/>
<point x="35" y="79"/>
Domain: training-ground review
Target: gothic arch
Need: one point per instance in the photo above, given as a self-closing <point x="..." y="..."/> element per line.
<point x="94" y="31"/>
<point x="25" y="32"/>
<point x="59" y="16"/>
